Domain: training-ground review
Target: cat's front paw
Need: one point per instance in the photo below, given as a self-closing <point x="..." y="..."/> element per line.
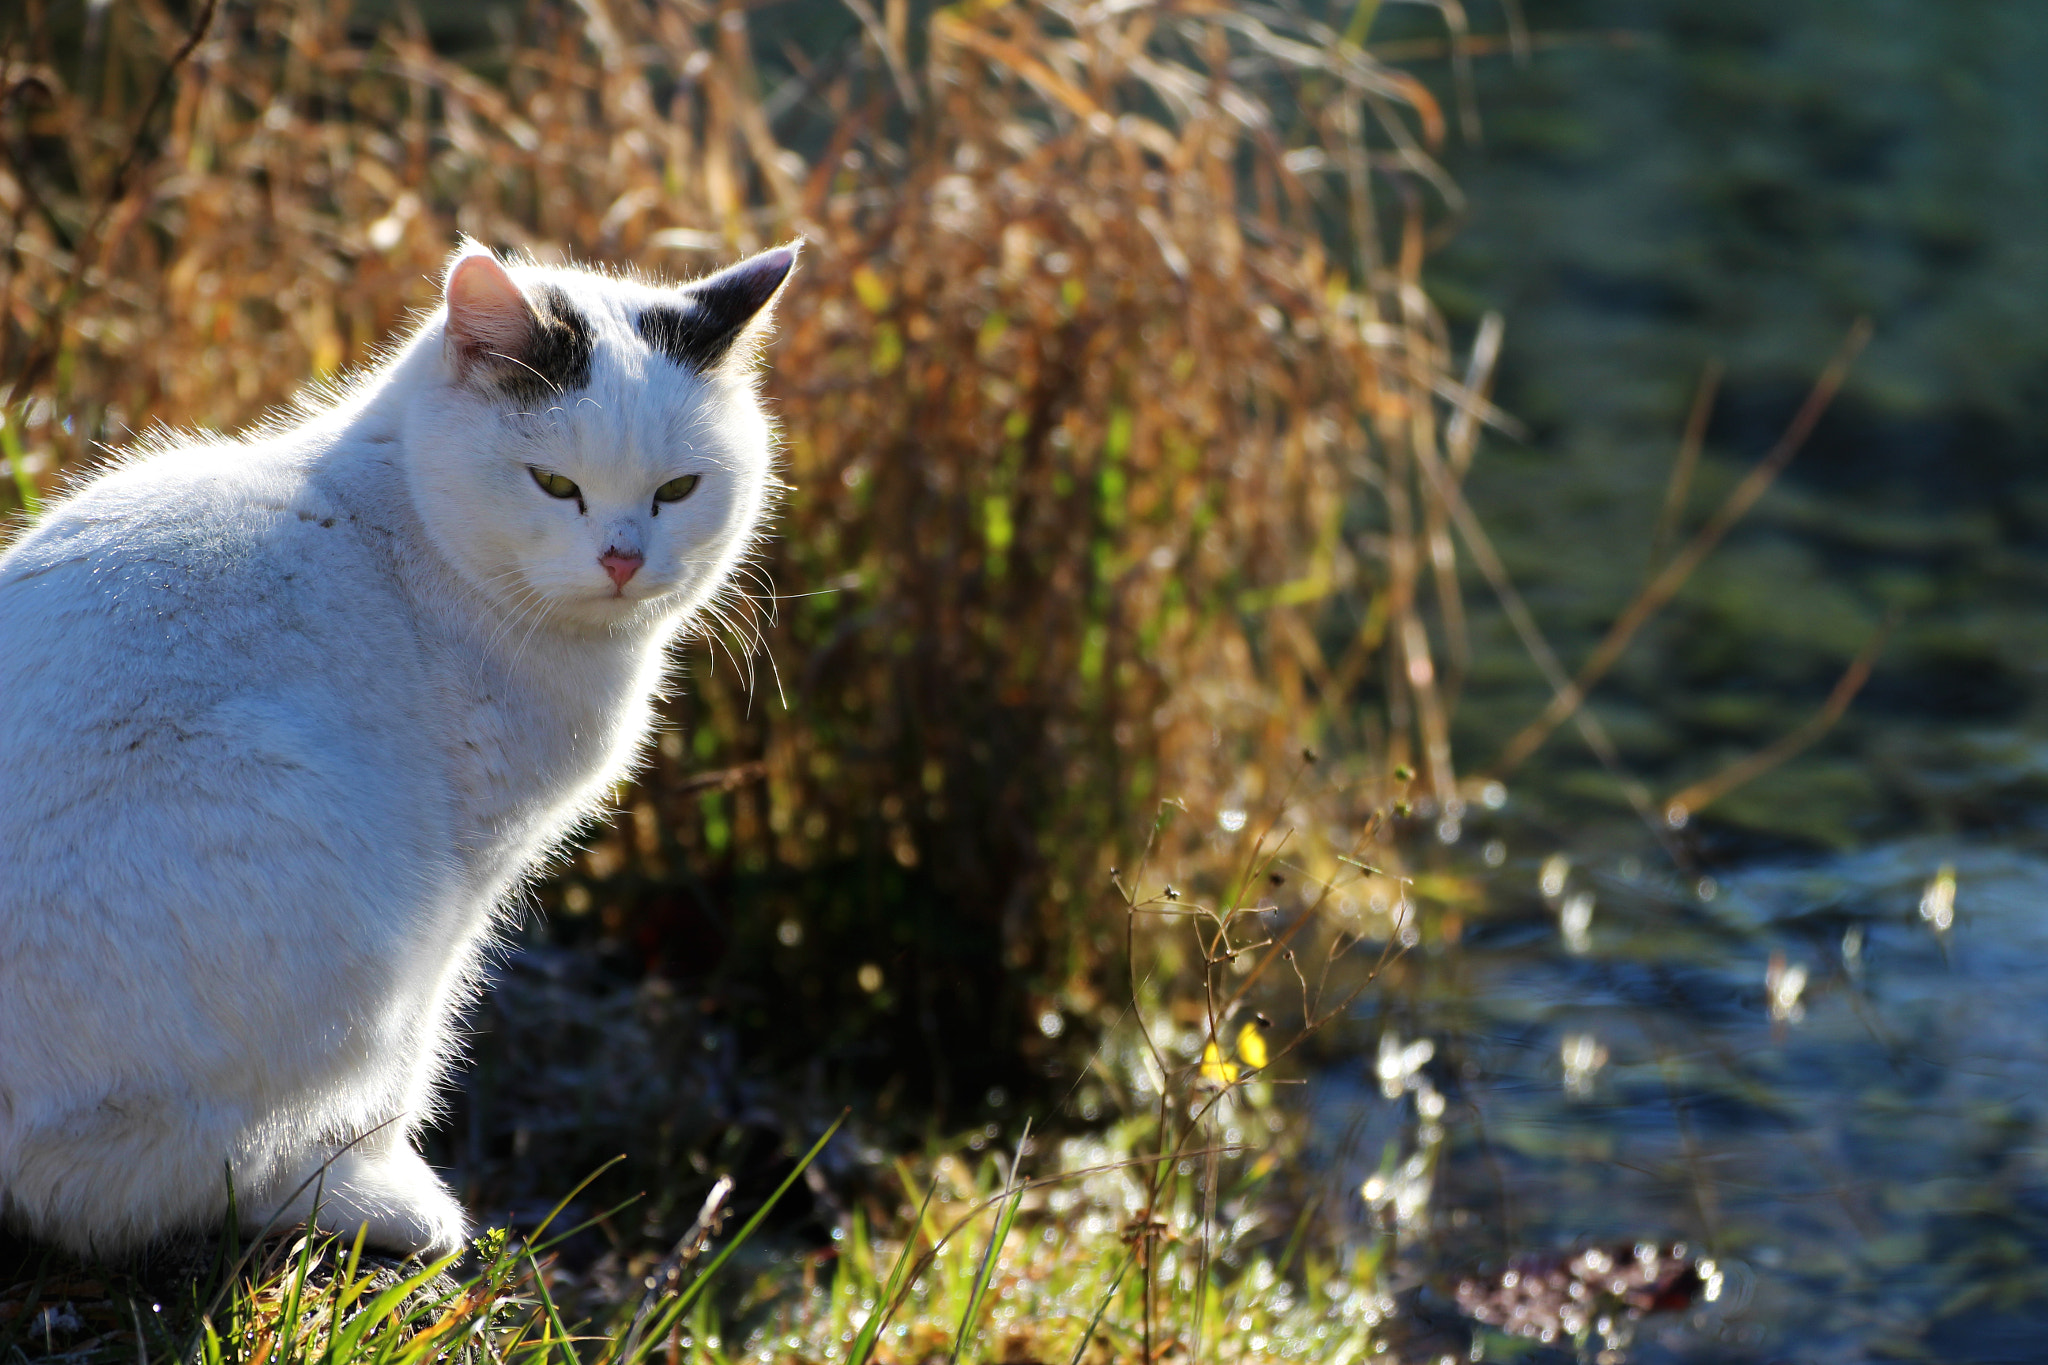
<point x="430" y="1225"/>
<point x="393" y="1194"/>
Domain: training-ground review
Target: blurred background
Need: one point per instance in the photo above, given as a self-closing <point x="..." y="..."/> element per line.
<point x="1214" y="429"/>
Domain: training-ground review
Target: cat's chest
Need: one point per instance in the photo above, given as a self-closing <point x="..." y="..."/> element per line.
<point x="537" y="748"/>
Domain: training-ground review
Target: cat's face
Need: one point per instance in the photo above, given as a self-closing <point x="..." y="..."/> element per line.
<point x="592" y="451"/>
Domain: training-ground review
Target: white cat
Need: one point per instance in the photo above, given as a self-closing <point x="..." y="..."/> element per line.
<point x="286" y="720"/>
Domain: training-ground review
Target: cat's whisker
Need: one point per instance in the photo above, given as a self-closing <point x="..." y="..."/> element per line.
<point x="538" y="618"/>
<point x="712" y="636"/>
<point x="523" y="602"/>
<point x="515" y="360"/>
<point x="523" y="611"/>
<point x="759" y="575"/>
<point x="761" y="610"/>
<point x="753" y="640"/>
<point x="733" y="601"/>
<point x="775" y="672"/>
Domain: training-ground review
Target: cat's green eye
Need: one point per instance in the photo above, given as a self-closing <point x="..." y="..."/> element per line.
<point x="675" y="490"/>
<point x="554" y="485"/>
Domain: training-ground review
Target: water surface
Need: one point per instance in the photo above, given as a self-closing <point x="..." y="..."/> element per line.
<point x="1738" y="182"/>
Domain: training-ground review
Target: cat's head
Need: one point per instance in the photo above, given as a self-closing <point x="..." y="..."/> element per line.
<point x="590" y="448"/>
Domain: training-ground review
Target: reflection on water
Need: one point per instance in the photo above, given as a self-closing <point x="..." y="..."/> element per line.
<point x="1831" y="1077"/>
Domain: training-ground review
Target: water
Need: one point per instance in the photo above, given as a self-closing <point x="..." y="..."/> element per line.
<point x="1740" y="183"/>
<point x="1865" y="1159"/>
<point x="1803" y="1073"/>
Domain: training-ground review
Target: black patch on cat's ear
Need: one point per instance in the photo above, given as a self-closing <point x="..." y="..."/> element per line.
<point x="531" y="346"/>
<point x="699" y="332"/>
<point x="557" y="357"/>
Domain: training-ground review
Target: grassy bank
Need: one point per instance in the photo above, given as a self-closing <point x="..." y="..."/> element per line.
<point x="1174" y="1231"/>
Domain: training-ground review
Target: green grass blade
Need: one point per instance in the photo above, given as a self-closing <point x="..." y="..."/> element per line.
<point x="1299" y="1236"/>
<point x="547" y="1300"/>
<point x="296" y="1296"/>
<point x="698" y="1285"/>
<point x="581" y="1186"/>
<point x="861" y="1249"/>
<point x="439" y="1324"/>
<point x="885" y="1302"/>
<point x="704" y="1328"/>
<point x="923" y="1204"/>
<point x="984" y="1272"/>
<point x="989" y="1255"/>
<point x="17" y="464"/>
<point x="687" y="1249"/>
<point x="587" y="1223"/>
<point x="845" y="1284"/>
<point x="1109" y="1297"/>
<point x="349" y="1338"/>
<point x="347" y="1289"/>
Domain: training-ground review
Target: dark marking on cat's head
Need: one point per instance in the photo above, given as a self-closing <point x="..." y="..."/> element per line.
<point x="531" y="345"/>
<point x="699" y="331"/>
<point x="556" y="357"/>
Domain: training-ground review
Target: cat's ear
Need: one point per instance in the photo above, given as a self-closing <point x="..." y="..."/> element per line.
<point x="721" y="319"/>
<point x="490" y="323"/>
<point x="527" y="347"/>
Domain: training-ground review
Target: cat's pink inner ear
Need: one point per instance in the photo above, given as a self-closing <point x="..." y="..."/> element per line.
<point x="487" y="315"/>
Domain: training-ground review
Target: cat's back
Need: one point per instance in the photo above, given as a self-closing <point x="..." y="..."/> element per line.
<point x="195" y="625"/>
<point x="166" y="569"/>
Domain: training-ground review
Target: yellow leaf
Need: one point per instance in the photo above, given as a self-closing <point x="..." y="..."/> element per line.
<point x="868" y="285"/>
<point x="1251" y="1047"/>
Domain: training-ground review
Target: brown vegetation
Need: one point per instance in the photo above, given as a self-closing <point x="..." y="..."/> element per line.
<point x="1078" y="398"/>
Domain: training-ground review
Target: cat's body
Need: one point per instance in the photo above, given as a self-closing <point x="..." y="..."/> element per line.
<point x="285" y="722"/>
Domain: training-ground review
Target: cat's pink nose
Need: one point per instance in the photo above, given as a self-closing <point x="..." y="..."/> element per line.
<point x="621" y="564"/>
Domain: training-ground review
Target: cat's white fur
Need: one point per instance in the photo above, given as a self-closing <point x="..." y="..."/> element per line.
<point x="284" y="723"/>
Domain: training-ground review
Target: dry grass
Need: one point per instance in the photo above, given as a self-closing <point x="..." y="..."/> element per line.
<point x="1108" y="314"/>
